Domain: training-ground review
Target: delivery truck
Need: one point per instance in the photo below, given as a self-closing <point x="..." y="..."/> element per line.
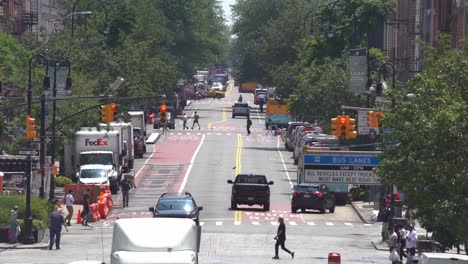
<point x="155" y="240"/>
<point x="128" y="141"/>
<point x="137" y="118"/>
<point x="91" y="146"/>
<point x="278" y="112"/>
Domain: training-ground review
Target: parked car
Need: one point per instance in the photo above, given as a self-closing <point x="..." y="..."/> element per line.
<point x="177" y="206"/>
<point x="250" y="189"/>
<point x="240" y="109"/>
<point x="312" y="196"/>
<point x="290" y="133"/>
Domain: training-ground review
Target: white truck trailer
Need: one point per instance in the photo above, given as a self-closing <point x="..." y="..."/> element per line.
<point x="95" y="147"/>
<point x="127" y="134"/>
<point x="155" y="240"/>
<point x="137" y="118"/>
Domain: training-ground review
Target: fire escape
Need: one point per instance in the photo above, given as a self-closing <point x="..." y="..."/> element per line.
<point x="30" y="15"/>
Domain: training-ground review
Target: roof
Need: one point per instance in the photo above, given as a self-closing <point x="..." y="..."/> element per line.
<point x="96" y="166"/>
<point x="308" y="184"/>
<point x="250" y="174"/>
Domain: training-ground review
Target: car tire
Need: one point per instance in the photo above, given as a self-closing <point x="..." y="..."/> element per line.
<point x="332" y="209"/>
<point x="296" y="161"/>
<point x="218" y="96"/>
<point x="266" y="207"/>
<point x="233" y="206"/>
<point x="293" y="209"/>
<point x="303" y="210"/>
<point x="233" y="116"/>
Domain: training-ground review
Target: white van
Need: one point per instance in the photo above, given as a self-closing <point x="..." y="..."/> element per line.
<point x="155" y="240"/>
<point x="442" y="258"/>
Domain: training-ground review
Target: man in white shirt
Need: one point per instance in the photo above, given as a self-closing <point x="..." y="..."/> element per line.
<point x="69" y="200"/>
<point x="411" y="240"/>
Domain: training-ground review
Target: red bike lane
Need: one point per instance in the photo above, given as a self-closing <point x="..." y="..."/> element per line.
<point x="168" y="167"/>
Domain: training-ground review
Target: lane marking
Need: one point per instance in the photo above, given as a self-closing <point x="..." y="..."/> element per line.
<point x="184" y="182"/>
<point x="255" y="223"/>
<point x="311" y="223"/>
<point x="293" y="223"/>
<point x="202" y="223"/>
<point x="274" y="223"/>
<point x="237" y="223"/>
<point x="329" y="224"/>
<point x="224" y="119"/>
<point x="238" y="214"/>
<point x="146" y="161"/>
<point x="219" y="223"/>
<point x="348" y="224"/>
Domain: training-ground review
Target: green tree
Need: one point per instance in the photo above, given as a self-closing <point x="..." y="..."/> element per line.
<point x="429" y="161"/>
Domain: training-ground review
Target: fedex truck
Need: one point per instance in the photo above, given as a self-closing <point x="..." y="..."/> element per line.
<point x="95" y="147"/>
<point x="128" y="142"/>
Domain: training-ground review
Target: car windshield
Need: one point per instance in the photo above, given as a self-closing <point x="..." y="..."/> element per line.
<point x="93" y="173"/>
<point x="175" y="204"/>
<point x="306" y="188"/>
<point x="251" y="179"/>
<point x="101" y="158"/>
<point x="240" y="105"/>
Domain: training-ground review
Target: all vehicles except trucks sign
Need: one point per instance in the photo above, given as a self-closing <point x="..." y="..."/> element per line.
<point x="349" y="167"/>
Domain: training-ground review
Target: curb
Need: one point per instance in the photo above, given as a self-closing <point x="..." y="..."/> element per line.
<point x="23" y="246"/>
<point x="359" y="213"/>
<point x="377" y="248"/>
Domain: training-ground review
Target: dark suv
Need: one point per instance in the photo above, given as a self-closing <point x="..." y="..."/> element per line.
<point x="312" y="196"/>
<point x="250" y="189"/>
<point x="178" y="206"/>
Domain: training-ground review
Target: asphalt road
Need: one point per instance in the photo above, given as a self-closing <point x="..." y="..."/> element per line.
<point x="201" y="161"/>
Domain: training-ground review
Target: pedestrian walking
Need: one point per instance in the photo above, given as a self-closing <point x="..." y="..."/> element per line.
<point x="85" y="211"/>
<point x="165" y="128"/>
<point x="184" y="120"/>
<point x="56" y="220"/>
<point x="402" y="238"/>
<point x="411" y="240"/>
<point x="270" y="127"/>
<point x="196" y="117"/>
<point x="281" y="238"/>
<point x="240" y="99"/>
<point x="69" y="200"/>
<point x="393" y="244"/>
<point x="125" y="185"/>
<point x="14" y="224"/>
<point x="385" y="217"/>
<point x="249" y="124"/>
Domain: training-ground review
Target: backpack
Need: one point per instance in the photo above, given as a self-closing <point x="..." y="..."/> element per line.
<point x="385" y="214"/>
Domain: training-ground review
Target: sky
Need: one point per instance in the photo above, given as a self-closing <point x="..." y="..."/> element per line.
<point x="227" y="10"/>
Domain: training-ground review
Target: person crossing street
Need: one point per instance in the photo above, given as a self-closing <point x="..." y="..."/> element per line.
<point x="281" y="238"/>
<point x="196" y="117"/>
<point x="125" y="185"/>
<point x="249" y="124"/>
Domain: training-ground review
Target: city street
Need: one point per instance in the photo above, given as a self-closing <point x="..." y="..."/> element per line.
<point x="200" y="161"/>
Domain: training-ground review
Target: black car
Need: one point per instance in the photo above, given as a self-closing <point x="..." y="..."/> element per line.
<point x="250" y="189"/>
<point x="312" y="196"/>
<point x="177" y="206"/>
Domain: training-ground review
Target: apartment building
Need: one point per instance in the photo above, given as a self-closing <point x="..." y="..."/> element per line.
<point x="36" y="16"/>
<point x="425" y="20"/>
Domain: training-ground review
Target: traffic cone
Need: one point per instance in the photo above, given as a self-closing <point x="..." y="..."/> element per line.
<point x="78" y="219"/>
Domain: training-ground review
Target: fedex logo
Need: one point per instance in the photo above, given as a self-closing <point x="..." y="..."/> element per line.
<point x="97" y="142"/>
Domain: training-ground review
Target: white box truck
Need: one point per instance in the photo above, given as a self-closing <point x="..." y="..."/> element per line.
<point x="155" y="240"/>
<point x="127" y="133"/>
<point x="95" y="147"/>
<point x="137" y="118"/>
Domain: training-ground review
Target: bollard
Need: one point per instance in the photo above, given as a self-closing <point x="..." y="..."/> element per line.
<point x="334" y="258"/>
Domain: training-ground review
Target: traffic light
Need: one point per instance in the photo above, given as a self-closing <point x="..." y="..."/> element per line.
<point x="351" y="128"/>
<point x="30" y="128"/>
<point x="108" y="112"/>
<point x="162" y="114"/>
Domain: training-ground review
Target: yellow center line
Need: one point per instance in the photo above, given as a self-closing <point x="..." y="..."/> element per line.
<point x="231" y="84"/>
<point x="224" y="118"/>
<point x="238" y="214"/>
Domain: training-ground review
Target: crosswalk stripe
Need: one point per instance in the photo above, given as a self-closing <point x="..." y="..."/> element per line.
<point x="367" y="224"/>
<point x="311" y="223"/>
<point x="255" y="223"/>
<point x="348" y="224"/>
<point x="202" y="223"/>
<point x="274" y="223"/>
<point x="237" y="223"/>
<point x="292" y="223"/>
<point x="329" y="223"/>
<point x="219" y="223"/>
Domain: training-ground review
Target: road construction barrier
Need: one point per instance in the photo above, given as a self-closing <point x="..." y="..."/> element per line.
<point x="334" y="258"/>
<point x="95" y="211"/>
<point x="78" y="219"/>
<point x="152" y="138"/>
<point x="80" y="189"/>
<point x="104" y="204"/>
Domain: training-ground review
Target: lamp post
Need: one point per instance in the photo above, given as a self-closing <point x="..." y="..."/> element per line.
<point x="28" y="237"/>
<point x="68" y="85"/>
<point x="383" y="68"/>
<point x="106" y="26"/>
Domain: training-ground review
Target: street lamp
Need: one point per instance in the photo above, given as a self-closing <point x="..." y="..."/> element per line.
<point x="28" y="236"/>
<point x="68" y="86"/>
<point x="106" y="25"/>
<point x="383" y="68"/>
